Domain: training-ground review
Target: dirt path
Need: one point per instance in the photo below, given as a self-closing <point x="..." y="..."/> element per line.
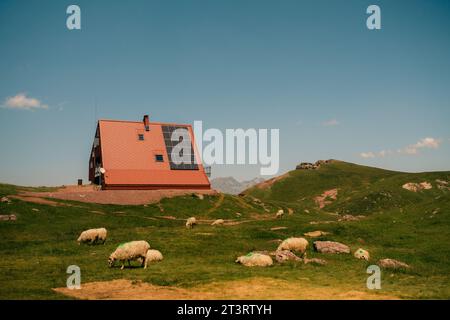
<point x="255" y="288"/>
<point x="90" y="194"/>
<point x="39" y="200"/>
<point x="217" y="204"/>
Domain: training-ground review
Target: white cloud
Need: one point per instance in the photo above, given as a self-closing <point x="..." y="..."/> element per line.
<point x="413" y="149"/>
<point x="367" y="155"/>
<point x="330" y="123"/>
<point x="430" y="143"/>
<point x="22" y="102"/>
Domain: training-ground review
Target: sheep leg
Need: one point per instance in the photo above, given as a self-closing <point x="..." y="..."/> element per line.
<point x="123" y="265"/>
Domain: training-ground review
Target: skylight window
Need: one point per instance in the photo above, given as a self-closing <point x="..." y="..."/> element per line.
<point x="159" y="158"/>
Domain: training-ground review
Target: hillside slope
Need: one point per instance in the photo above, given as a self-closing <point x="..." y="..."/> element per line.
<point x="357" y="189"/>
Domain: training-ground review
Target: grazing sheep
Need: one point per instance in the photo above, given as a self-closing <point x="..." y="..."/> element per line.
<point x="280" y="214"/>
<point x="294" y="244"/>
<point x="128" y="251"/>
<point x="191" y="222"/>
<point x="218" y="222"/>
<point x="255" y="260"/>
<point x="362" y="254"/>
<point x="152" y="255"/>
<point x="93" y="236"/>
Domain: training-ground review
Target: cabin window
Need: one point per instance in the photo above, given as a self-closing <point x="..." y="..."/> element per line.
<point x="159" y="158"/>
<point x="140" y="137"/>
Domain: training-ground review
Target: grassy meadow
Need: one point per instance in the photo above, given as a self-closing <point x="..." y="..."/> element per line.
<point x="412" y="227"/>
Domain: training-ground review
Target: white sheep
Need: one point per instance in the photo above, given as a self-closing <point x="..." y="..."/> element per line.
<point x="294" y="244"/>
<point x="362" y="254"/>
<point x="191" y="222"/>
<point x="152" y="255"/>
<point x="128" y="251"/>
<point x="255" y="260"/>
<point x="93" y="236"/>
<point x="218" y="222"/>
<point x="280" y="214"/>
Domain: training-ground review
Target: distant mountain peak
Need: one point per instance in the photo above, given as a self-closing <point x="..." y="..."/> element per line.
<point x="232" y="186"/>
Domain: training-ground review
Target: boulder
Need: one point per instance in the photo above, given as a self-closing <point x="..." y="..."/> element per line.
<point x="286" y="255"/>
<point x="281" y="255"/>
<point x="331" y="247"/>
<point x="392" y="264"/>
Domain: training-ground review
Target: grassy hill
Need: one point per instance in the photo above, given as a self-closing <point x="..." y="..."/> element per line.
<point x="400" y="224"/>
<point x="361" y="190"/>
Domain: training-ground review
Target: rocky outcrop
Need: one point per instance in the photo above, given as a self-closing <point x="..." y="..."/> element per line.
<point x="442" y="185"/>
<point x="326" y="198"/>
<point x="312" y="166"/>
<point x="415" y="187"/>
<point x="331" y="247"/>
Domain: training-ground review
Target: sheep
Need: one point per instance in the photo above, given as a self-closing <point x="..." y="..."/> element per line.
<point x="294" y="244"/>
<point x="255" y="260"/>
<point x="280" y="214"/>
<point x="93" y="236"/>
<point x="218" y="222"/>
<point x="133" y="250"/>
<point x="362" y="254"/>
<point x="191" y="222"/>
<point x="152" y="255"/>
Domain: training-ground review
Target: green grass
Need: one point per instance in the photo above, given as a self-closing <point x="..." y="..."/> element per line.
<point x="38" y="247"/>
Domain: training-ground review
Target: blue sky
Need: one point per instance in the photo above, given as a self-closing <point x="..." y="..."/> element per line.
<point x="311" y="68"/>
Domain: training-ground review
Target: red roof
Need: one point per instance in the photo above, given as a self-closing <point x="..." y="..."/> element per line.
<point x="129" y="161"/>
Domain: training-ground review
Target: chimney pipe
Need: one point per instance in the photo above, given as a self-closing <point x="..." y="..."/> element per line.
<point x="146" y="123"/>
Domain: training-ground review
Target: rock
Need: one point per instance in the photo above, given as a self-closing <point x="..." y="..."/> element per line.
<point x="442" y="185"/>
<point x="198" y="196"/>
<point x="286" y="255"/>
<point x="362" y="254"/>
<point x="415" y="187"/>
<point x="392" y="264"/>
<point x="321" y="222"/>
<point x="315" y="234"/>
<point x="349" y="217"/>
<point x="278" y="228"/>
<point x="6" y="217"/>
<point x="326" y="198"/>
<point x="331" y="247"/>
<point x="306" y="211"/>
<point x="218" y="222"/>
<point x="312" y="166"/>
<point x="5" y="200"/>
<point x="306" y="166"/>
<point x="238" y="214"/>
<point x="35" y="210"/>
<point x="281" y="255"/>
<point x="315" y="261"/>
